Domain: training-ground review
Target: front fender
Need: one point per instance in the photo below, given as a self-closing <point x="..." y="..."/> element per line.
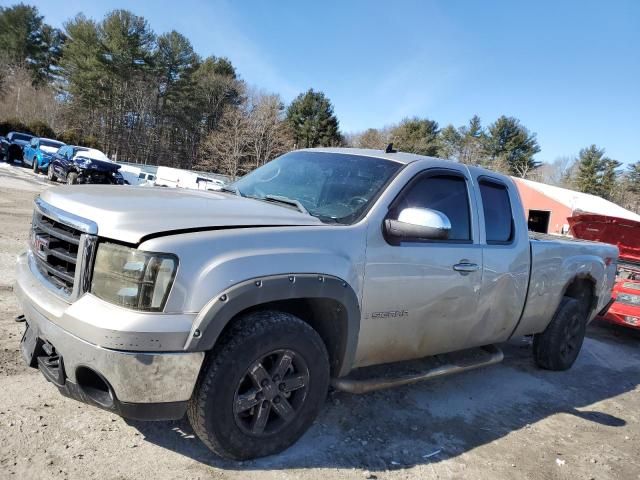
<point x="212" y="320"/>
<point x="43" y="161"/>
<point x="229" y="262"/>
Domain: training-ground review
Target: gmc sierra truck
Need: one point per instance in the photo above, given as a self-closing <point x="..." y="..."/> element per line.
<point x="241" y="307"/>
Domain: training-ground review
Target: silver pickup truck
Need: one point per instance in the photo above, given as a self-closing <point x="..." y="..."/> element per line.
<point x="241" y="307"/>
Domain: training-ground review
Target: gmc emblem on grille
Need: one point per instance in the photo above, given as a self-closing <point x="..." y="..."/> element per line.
<point x="40" y="246"/>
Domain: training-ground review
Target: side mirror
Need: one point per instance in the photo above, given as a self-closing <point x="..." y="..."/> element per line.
<point x="418" y="223"/>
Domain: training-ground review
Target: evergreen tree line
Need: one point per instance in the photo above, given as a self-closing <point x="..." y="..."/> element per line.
<point x="150" y="98"/>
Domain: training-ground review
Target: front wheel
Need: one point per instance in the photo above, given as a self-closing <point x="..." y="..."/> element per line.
<point x="50" y="174"/>
<point x="72" y="178"/>
<point x="559" y="345"/>
<point x="262" y="386"/>
<point x="34" y="165"/>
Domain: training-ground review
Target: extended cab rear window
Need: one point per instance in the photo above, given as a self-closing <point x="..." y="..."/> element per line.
<point x="498" y="219"/>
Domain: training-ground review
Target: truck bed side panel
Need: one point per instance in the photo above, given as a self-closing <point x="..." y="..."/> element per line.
<point x="556" y="262"/>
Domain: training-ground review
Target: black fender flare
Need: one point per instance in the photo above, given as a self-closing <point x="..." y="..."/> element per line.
<point x="213" y="318"/>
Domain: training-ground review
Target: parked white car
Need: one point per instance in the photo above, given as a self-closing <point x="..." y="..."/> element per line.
<point x="178" y="178"/>
<point x="137" y="176"/>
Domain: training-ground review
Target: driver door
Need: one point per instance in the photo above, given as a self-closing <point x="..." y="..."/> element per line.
<point x="420" y="297"/>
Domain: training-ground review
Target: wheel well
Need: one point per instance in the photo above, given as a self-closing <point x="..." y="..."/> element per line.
<point x="326" y="316"/>
<point x="582" y="289"/>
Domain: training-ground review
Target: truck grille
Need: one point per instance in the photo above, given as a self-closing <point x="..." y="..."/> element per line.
<point x="55" y="248"/>
<point x="62" y="246"/>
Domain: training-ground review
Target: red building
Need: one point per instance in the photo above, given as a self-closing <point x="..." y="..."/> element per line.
<point x="547" y="207"/>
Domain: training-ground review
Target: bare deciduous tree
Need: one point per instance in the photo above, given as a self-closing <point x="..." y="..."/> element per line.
<point x="225" y="148"/>
<point x="22" y="101"/>
<point x="269" y="135"/>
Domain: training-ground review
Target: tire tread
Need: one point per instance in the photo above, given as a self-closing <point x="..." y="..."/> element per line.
<point x="546" y="345"/>
<point x="251" y="325"/>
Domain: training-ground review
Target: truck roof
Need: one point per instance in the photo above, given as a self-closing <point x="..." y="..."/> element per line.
<point x="406" y="158"/>
<point x="400" y="157"/>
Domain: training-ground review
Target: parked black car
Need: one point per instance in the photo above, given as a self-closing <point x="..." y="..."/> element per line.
<point x="74" y="164"/>
<point x="12" y="145"/>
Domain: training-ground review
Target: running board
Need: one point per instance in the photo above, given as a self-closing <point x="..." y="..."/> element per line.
<point x="448" y="365"/>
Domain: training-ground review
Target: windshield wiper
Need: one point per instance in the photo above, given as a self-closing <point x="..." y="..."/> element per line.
<point x="287" y="201"/>
<point x="231" y="189"/>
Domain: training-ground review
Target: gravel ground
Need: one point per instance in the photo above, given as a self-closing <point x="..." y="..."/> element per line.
<point x="507" y="421"/>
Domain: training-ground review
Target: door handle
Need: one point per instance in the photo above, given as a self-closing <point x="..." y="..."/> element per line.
<point x="466" y="267"/>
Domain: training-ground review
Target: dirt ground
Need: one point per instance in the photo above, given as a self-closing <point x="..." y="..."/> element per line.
<point x="507" y="421"/>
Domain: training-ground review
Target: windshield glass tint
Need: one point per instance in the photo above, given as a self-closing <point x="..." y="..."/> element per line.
<point x="20" y="136"/>
<point x="50" y="143"/>
<point x="332" y="186"/>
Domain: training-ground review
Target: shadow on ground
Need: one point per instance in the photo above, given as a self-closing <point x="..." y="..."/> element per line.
<point x="440" y="419"/>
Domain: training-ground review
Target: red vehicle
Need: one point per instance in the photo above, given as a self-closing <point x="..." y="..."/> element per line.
<point x="626" y="235"/>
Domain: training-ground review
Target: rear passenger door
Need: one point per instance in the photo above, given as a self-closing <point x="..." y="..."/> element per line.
<point x="506" y="255"/>
<point x="420" y="297"/>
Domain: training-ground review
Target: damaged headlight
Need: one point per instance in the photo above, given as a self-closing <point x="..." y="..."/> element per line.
<point x="132" y="278"/>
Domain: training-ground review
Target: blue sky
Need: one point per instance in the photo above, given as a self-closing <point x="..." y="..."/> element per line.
<point x="569" y="70"/>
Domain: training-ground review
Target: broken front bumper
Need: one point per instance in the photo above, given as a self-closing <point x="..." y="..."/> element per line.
<point x="135" y="384"/>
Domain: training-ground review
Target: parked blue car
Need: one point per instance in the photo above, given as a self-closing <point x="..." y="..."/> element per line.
<point x="39" y="152"/>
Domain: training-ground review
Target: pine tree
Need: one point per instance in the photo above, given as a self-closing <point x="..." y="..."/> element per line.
<point x="609" y="177"/>
<point x="312" y="121"/>
<point x="509" y="142"/>
<point x="26" y="40"/>
<point x="597" y="174"/>
<point x="633" y="177"/>
<point x="589" y="169"/>
<point x="417" y="135"/>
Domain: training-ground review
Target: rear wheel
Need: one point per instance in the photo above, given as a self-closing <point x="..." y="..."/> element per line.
<point x="72" y="178"/>
<point x="262" y="386"/>
<point x="559" y="345"/>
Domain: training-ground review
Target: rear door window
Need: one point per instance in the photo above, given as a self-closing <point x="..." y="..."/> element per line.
<point x="498" y="218"/>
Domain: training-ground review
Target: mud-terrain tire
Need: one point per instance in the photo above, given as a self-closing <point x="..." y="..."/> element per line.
<point x="72" y="178"/>
<point x="559" y="345"/>
<point x="34" y="166"/>
<point x="50" y="174"/>
<point x="243" y="369"/>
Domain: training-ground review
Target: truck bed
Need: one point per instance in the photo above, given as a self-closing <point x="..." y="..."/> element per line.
<point x="555" y="261"/>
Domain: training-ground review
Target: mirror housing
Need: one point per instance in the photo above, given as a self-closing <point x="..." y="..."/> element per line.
<point x="418" y="224"/>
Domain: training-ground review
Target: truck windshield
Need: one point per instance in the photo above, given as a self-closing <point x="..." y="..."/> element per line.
<point x="335" y="187"/>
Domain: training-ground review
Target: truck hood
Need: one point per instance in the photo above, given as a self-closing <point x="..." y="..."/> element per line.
<point x="616" y="231"/>
<point x="129" y="214"/>
<point x="86" y="163"/>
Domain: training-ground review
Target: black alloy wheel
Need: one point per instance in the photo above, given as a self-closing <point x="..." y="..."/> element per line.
<point x="574" y="336"/>
<point x="271" y="393"/>
<point x="261" y="386"/>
